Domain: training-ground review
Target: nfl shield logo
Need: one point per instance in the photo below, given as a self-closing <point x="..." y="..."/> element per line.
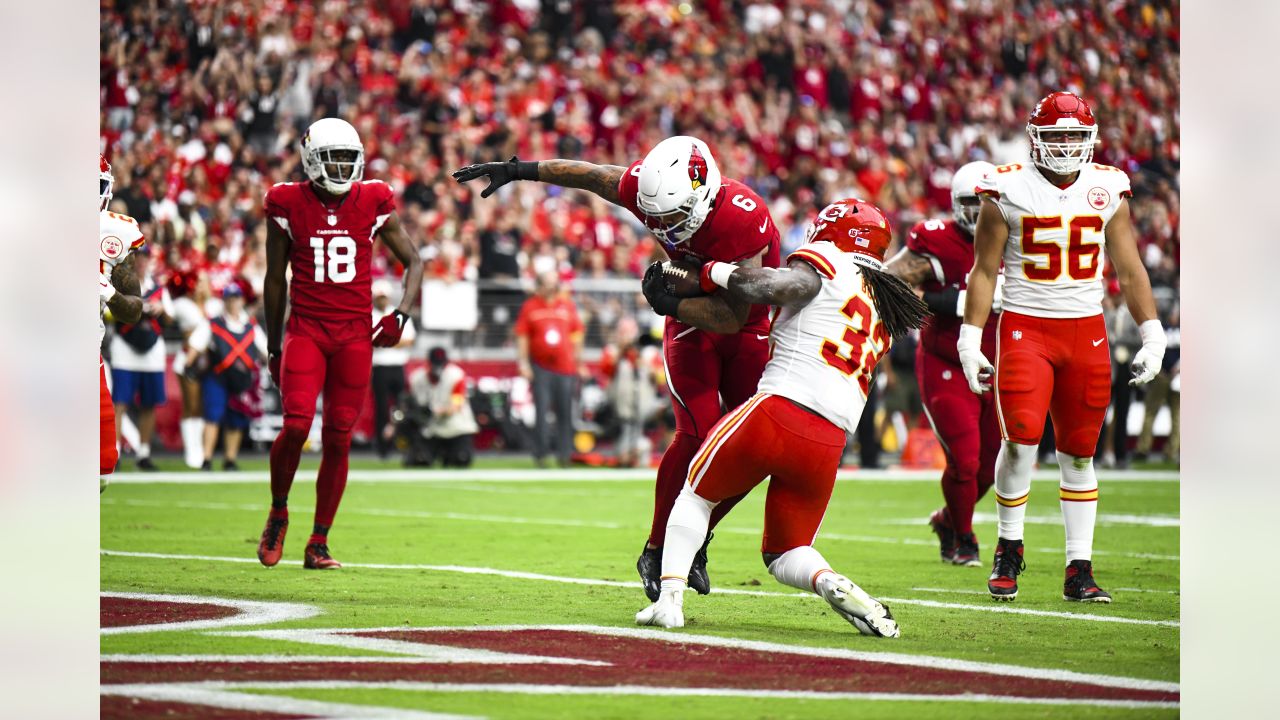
<point x="1017" y="334"/>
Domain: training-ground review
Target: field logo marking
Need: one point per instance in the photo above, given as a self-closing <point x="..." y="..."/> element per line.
<point x="126" y="612"/>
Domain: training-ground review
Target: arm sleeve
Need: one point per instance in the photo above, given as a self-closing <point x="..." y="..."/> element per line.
<point x="943" y="302"/>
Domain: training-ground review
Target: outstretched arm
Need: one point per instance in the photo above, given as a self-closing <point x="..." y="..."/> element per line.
<point x="126" y="302"/>
<point x="599" y="179"/>
<point x="274" y="286"/>
<point x="796" y="284"/>
<point x="911" y="266"/>
<point x="393" y="234"/>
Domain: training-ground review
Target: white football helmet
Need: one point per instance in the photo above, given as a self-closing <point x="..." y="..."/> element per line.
<point x="332" y="155"/>
<point x="964" y="197"/>
<point x="678" y="180"/>
<point x="105" y="182"/>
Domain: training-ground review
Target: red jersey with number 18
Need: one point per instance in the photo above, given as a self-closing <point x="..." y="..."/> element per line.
<point x="737" y="228"/>
<point x="331" y="246"/>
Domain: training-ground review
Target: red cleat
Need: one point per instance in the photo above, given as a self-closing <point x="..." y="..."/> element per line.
<point x="271" y="546"/>
<point x="317" y="558"/>
<point x="1003" y="583"/>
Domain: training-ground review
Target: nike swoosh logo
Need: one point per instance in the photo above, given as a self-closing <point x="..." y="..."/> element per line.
<point x="1098" y="342"/>
<point x="762" y="337"/>
<point x="764" y="225"/>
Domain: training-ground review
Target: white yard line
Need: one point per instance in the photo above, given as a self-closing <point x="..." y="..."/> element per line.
<point x="516" y="574"/>
<point x="950" y="591"/>
<point x="212" y="687"/>
<point x="507" y="519"/>
<point x="1141" y="590"/>
<point x="481" y="475"/>
<point x="1104" y="520"/>
<point x="250" y="612"/>
<point x="213" y="695"/>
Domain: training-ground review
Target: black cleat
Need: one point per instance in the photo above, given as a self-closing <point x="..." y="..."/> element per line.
<point x="206" y="466"/>
<point x="698" y="579"/>
<point x="1080" y="585"/>
<point x="1003" y="583"/>
<point x="941" y="525"/>
<point x="230" y="465"/>
<point x="146" y="465"/>
<point x="966" y="553"/>
<point x="650" y="568"/>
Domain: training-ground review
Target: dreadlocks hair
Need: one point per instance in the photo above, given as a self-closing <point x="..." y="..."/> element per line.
<point x="899" y="307"/>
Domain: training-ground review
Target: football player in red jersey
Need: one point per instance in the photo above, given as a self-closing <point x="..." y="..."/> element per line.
<point x="324" y="229"/>
<point x="936" y="260"/>
<point x="714" y="347"/>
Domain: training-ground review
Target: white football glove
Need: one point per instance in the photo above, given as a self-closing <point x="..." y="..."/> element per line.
<point x="978" y="370"/>
<point x="1146" y="363"/>
<point x="106" y="290"/>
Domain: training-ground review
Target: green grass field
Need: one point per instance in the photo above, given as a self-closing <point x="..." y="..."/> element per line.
<point x="495" y="549"/>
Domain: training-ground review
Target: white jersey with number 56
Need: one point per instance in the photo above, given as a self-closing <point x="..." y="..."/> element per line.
<point x="822" y="355"/>
<point x="1054" y="258"/>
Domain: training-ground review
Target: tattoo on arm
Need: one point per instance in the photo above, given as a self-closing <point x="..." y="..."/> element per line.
<point x="911" y="266"/>
<point x="599" y="179"/>
<point x="126" y="304"/>
<point x="723" y="312"/>
<point x="796" y="284"/>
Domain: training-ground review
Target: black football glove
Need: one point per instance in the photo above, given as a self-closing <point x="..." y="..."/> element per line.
<point x="498" y="173"/>
<point x="654" y="287"/>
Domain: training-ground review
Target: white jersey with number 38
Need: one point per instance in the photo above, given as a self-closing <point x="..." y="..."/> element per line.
<point x="822" y="354"/>
<point x="1054" y="258"/>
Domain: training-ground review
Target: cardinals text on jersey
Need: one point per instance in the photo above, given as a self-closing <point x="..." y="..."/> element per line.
<point x="824" y="352"/>
<point x="1053" y="260"/>
<point x="331" y="246"/>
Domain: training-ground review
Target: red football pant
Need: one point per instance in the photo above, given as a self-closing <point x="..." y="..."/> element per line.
<point x="968" y="430"/>
<point x="108" y="456"/>
<point x="772" y="436"/>
<point x="336" y="357"/>
<point x="702" y="369"/>
<point x="1058" y="365"/>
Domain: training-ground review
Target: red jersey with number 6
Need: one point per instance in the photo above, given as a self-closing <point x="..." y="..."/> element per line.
<point x="737" y="228"/>
<point x="331" y="246"/>
<point x="950" y="253"/>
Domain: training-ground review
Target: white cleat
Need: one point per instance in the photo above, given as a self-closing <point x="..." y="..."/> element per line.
<point x="852" y="603"/>
<point x="668" y="612"/>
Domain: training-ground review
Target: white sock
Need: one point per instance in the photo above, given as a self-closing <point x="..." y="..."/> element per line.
<point x="1013" y="485"/>
<point x="1078" y="491"/>
<point x="193" y="441"/>
<point x="686" y="531"/>
<point x="800" y="568"/>
<point x="144" y="450"/>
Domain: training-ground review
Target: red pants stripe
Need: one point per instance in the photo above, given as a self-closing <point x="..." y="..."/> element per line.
<point x="772" y="436"/>
<point x="1061" y="366"/>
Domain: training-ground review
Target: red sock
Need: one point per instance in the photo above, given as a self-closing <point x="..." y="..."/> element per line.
<point x="332" y="479"/>
<point x="672" y="474"/>
<point x="285" y="453"/>
<point x="961" y="497"/>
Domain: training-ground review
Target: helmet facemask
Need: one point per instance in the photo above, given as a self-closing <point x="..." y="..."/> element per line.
<point x="105" y="181"/>
<point x="334" y="168"/>
<point x="965" y="208"/>
<point x="1062" y="150"/>
<point x="675" y="226"/>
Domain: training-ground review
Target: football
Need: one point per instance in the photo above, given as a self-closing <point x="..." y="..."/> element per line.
<point x="682" y="278"/>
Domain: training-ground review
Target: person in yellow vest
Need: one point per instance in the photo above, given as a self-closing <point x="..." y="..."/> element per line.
<point x="233" y="348"/>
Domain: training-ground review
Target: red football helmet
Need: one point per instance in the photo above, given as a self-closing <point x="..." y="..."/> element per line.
<point x="1063" y="133"/>
<point x="105" y="181"/>
<point x="855" y="226"/>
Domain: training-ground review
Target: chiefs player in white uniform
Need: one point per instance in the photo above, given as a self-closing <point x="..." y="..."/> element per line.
<point x="1052" y="223"/>
<point x="118" y="294"/>
<point x="837" y="312"/>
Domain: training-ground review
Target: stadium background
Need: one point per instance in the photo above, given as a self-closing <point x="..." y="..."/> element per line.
<point x="203" y="104"/>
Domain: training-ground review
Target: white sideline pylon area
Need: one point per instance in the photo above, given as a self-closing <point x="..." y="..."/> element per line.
<point x="531" y="475"/>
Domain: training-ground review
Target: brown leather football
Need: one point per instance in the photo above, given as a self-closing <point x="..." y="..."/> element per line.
<point x="681" y="278"/>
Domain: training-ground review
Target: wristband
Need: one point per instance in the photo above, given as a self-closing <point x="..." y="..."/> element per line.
<point x="960" y="295"/>
<point x="720" y="273"/>
<point x="1152" y="334"/>
<point x="526" y="169"/>
<point x="970" y="337"/>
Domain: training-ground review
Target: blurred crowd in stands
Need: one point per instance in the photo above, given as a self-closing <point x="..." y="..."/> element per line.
<point x="203" y="105"/>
